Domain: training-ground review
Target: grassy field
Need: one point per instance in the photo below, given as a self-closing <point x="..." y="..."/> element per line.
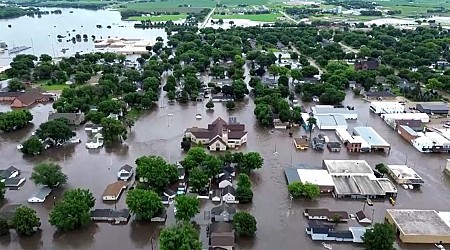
<point x="172" y="5"/>
<point x="162" y="18"/>
<point x="257" y="18"/>
<point x="53" y="87"/>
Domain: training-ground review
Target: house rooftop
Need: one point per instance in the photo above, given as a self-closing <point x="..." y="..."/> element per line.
<point x="68" y="116"/>
<point x="433" y="106"/>
<point x="357" y="185"/>
<point x="419" y="222"/>
<point x="224" y="207"/>
<point x="220" y="227"/>
<point x="114" y="189"/>
<point x="7" y="211"/>
<point x="376" y="94"/>
<point x="110" y="213"/>
<point x="371" y="137"/>
<point x="43" y="193"/>
<point x="319" y="177"/>
<point x="330" y="120"/>
<point x="348" y="167"/>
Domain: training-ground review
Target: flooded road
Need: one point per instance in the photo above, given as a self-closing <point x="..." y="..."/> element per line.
<point x="281" y="224"/>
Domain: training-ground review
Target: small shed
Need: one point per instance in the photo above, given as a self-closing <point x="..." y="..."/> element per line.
<point x="40" y="196"/>
<point x="363" y="218"/>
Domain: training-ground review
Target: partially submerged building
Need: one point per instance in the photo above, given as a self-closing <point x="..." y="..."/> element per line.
<point x="331" y="122"/>
<point x="375" y="141"/>
<point x="320" y="177"/>
<point x="433" y="108"/>
<point x="386" y="107"/>
<point x="403" y="174"/>
<point x="348" y="114"/>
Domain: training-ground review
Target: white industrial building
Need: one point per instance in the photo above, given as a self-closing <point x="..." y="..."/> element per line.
<point x="406" y="116"/>
<point x="331" y="110"/>
<point x="403" y="174"/>
<point x="331" y="122"/>
<point x="431" y="142"/>
<point x="386" y="107"/>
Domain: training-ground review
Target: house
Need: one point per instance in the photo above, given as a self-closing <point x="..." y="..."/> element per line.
<point x="318" y="144"/>
<point x="301" y="143"/>
<point x="160" y="217"/>
<point x="72" y="118"/>
<point x="110" y="215"/>
<point x="220" y="135"/>
<point x="10" y="172"/>
<point x="363" y="218"/>
<point x="169" y="193"/>
<point x="29" y="98"/>
<point x="353" y="234"/>
<point x="8" y="211"/>
<point x="367" y="64"/>
<point x="125" y="172"/>
<point x="114" y="190"/>
<point x="182" y="188"/>
<point x="325" y="214"/>
<point x="225" y="180"/>
<point x="228" y="168"/>
<point x="216" y="195"/>
<point x="223" y="212"/>
<point x="221" y="236"/>
<point x="433" y="108"/>
<point x="14" y="182"/>
<point x="379" y="95"/>
<point x="93" y="128"/>
<point x="40" y="196"/>
<point x="166" y="200"/>
<point x="229" y="195"/>
<point x="6" y="96"/>
<point x="334" y="146"/>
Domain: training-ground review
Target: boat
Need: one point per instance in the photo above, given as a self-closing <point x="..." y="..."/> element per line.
<point x="18" y="49"/>
<point x="198" y="116"/>
<point x="327" y="246"/>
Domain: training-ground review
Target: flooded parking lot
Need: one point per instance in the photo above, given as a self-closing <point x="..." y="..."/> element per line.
<point x="281" y="224"/>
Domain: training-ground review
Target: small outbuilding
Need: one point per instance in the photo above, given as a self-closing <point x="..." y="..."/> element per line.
<point x="111" y="215"/>
<point x="125" y="172"/>
<point x="301" y="143"/>
<point x="40" y="196"/>
<point x="363" y="218"/>
<point x="114" y="190"/>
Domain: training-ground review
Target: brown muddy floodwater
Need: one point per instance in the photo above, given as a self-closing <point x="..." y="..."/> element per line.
<point x="279" y="226"/>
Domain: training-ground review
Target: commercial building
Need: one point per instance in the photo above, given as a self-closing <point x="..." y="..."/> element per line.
<point x="347" y="167"/>
<point x="348" y="114"/>
<point x="319" y="177"/>
<point x="432" y="142"/>
<point x="436" y="108"/>
<point x="391" y="118"/>
<point x="358" y="144"/>
<point x="420" y="226"/>
<point x="403" y="174"/>
<point x="407" y="133"/>
<point x="331" y="122"/>
<point x="379" y="95"/>
<point x="375" y="141"/>
<point x="325" y="214"/>
<point x="386" y="107"/>
<point x="415" y="125"/>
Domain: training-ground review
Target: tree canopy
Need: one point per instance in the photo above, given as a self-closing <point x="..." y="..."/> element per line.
<point x="48" y="174"/>
<point x="155" y="172"/>
<point x="187" y="207"/>
<point x="32" y="146"/>
<point x="144" y="204"/>
<point x="13" y="120"/>
<point x="180" y="236"/>
<point x="58" y="130"/>
<point x="244" y="224"/>
<point x="307" y="190"/>
<point x="380" y="236"/>
<point x="25" y="221"/>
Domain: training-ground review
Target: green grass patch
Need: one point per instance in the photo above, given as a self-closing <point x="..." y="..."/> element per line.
<point x="54" y="87"/>
<point x="3" y="76"/>
<point x="134" y="113"/>
<point x="172" y="5"/>
<point x="258" y="18"/>
<point x="162" y="18"/>
<point x="249" y="2"/>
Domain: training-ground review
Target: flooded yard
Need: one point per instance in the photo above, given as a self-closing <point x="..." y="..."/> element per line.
<point x="281" y="224"/>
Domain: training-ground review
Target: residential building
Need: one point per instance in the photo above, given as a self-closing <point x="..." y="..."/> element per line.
<point x="225" y="180"/>
<point x="28" y="98"/>
<point x="170" y="193"/>
<point x="8" y="211"/>
<point x="222" y="212"/>
<point x="219" y="135"/>
<point x="367" y="64"/>
<point x="403" y="174"/>
<point x="40" y="195"/>
<point x="110" y="215"/>
<point x="7" y="96"/>
<point x="229" y="195"/>
<point x="216" y="195"/>
<point x="375" y="141"/>
<point x="362" y="218"/>
<point x="433" y="108"/>
<point x="334" y="146"/>
<point x="420" y="226"/>
<point x="325" y="214"/>
<point x="72" y="118"/>
<point x="331" y="122"/>
<point x="379" y="95"/>
<point x="10" y="172"/>
<point x="125" y="172"/>
<point x="160" y="217"/>
<point x="13" y="183"/>
<point x="386" y="107"/>
<point x="221" y="236"/>
<point x="320" y="177"/>
<point x="114" y="190"/>
<point x="347" y="112"/>
<point x="301" y="143"/>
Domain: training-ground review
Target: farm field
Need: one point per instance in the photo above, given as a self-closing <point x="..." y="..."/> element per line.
<point x="172" y="5"/>
<point x="162" y="18"/>
<point x="258" y="18"/>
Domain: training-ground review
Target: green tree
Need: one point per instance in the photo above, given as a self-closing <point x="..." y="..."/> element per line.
<point x="311" y="190"/>
<point x="274" y="70"/>
<point x="13" y="120"/>
<point x="73" y="211"/>
<point x="25" y="221"/>
<point x="2" y="190"/>
<point x="210" y="104"/>
<point x="171" y="95"/>
<point x="212" y="165"/>
<point x="251" y="161"/>
<point x="4" y="227"/>
<point x="244" y="180"/>
<point x="239" y="89"/>
<point x="311" y="122"/>
<point x="180" y="236"/>
<point x="198" y="179"/>
<point x="45" y="58"/>
<point x="296" y="74"/>
<point x="194" y="158"/>
<point x="310" y="71"/>
<point x="296" y="189"/>
<point x="382" y="168"/>
<point x="244" y="224"/>
<point x="144" y="204"/>
<point x="32" y="146"/>
<point x="434" y="84"/>
<point x="15" y="85"/>
<point x="380" y="236"/>
<point x="230" y="105"/>
<point x="48" y="174"/>
<point x="58" y="130"/>
<point x="109" y="106"/>
<point x="95" y="116"/>
<point x="187" y="207"/>
<point x="155" y="172"/>
<point x="113" y="130"/>
<point x="244" y="194"/>
<point x="332" y="96"/>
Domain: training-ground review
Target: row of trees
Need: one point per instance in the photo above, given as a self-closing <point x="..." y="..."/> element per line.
<point x="14" y="120"/>
<point x="299" y="189"/>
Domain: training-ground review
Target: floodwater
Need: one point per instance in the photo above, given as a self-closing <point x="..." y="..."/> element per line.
<point x="281" y="224"/>
<point x="41" y="33"/>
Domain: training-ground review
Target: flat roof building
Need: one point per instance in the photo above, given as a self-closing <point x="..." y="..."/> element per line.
<point x="331" y="122"/>
<point x="357" y="187"/>
<point x="437" y="108"/>
<point x="371" y="136"/>
<point x="331" y="110"/>
<point x="347" y="167"/>
<point x="419" y="226"/>
<point x="403" y="174"/>
<point x="406" y="116"/>
<point x="320" y="177"/>
<point x="386" y="107"/>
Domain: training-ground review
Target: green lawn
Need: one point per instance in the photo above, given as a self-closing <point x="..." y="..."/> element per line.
<point x="258" y="18"/>
<point x="172" y="5"/>
<point x="3" y="76"/>
<point x="54" y="87"/>
<point x="162" y="18"/>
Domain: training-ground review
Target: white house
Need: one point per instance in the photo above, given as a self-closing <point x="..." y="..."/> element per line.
<point x="225" y="180"/>
<point x="95" y="142"/>
<point x="216" y="196"/>
<point x="229" y="195"/>
<point x="220" y="135"/>
<point x="40" y="196"/>
<point x="125" y="172"/>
